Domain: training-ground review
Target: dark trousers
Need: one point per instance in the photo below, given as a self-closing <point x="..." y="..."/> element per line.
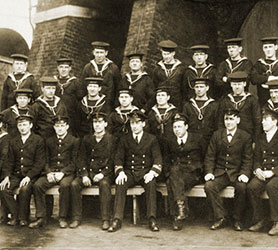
<point x="41" y="186"/>
<point x="104" y="195"/>
<point x="255" y="189"/>
<point x="120" y="197"/>
<point x="213" y="188"/>
<point x="19" y="209"/>
<point x="181" y="180"/>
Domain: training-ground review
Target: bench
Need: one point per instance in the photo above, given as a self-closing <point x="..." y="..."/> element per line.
<point x="196" y="191"/>
<point x="94" y="190"/>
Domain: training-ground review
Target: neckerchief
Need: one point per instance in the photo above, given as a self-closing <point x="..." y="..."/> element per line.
<point x="104" y="66"/>
<point x="14" y="109"/>
<point x="269" y="65"/>
<point x="128" y="76"/>
<point x="124" y="117"/>
<point x="199" y="110"/>
<point x="19" y="82"/>
<point x="270" y="104"/>
<point x="52" y="108"/>
<point x="90" y="109"/>
<point x="196" y="72"/>
<point x="168" y="72"/>
<point x="239" y="62"/>
<point x="162" y="118"/>
<point x="238" y="103"/>
<point x="64" y="85"/>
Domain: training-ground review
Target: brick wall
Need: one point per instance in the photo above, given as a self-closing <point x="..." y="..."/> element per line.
<point x="71" y="36"/>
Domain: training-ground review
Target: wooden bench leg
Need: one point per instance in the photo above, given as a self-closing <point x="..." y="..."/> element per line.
<point x="135" y="210"/>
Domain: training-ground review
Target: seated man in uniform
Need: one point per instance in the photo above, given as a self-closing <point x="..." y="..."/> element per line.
<point x="119" y="119"/>
<point x="265" y="170"/>
<point x="95" y="167"/>
<point x="26" y="159"/>
<point x="183" y="157"/>
<point x="272" y="103"/>
<point x="137" y="161"/>
<point x="23" y="98"/>
<point x="61" y="154"/>
<point x="228" y="162"/>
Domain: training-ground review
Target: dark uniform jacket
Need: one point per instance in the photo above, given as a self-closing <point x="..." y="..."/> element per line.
<point x="192" y="73"/>
<point x="201" y="120"/>
<point x="110" y="73"/>
<point x="143" y="90"/>
<point x="97" y="157"/>
<point x="234" y="158"/>
<point x="43" y="114"/>
<point x="119" y="122"/>
<point x="271" y="106"/>
<point x="14" y="82"/>
<point x="160" y="124"/>
<point x="85" y="110"/>
<point x="261" y="71"/>
<point x="173" y="78"/>
<point x="187" y="156"/>
<point x="26" y="159"/>
<point x="4" y="148"/>
<point x="138" y="159"/>
<point x="227" y="67"/>
<point x="10" y="115"/>
<point x="266" y="153"/>
<point x="61" y="154"/>
<point x="249" y="113"/>
<point x="71" y="91"/>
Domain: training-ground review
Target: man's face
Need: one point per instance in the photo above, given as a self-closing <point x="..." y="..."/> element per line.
<point x="93" y="89"/>
<point x="274" y="95"/>
<point x="125" y="99"/>
<point x="238" y="87"/>
<point x="200" y="58"/>
<point x="167" y="56"/>
<point x="19" y="66"/>
<point x="268" y="123"/>
<point x="180" y="128"/>
<point x="135" y="64"/>
<point x="162" y="98"/>
<point x="22" y="101"/>
<point x="201" y="89"/>
<point x="100" y="55"/>
<point x="137" y="125"/>
<point x="61" y="128"/>
<point x="269" y="50"/>
<point x="99" y="124"/>
<point x="24" y="127"/>
<point x="48" y="91"/>
<point x="64" y="70"/>
<point x="231" y="122"/>
<point x="234" y="50"/>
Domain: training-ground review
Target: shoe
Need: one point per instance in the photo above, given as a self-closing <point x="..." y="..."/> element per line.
<point x="274" y="230"/>
<point x="177" y="224"/>
<point x="105" y="225"/>
<point x="23" y="223"/>
<point x="238" y="226"/>
<point x="257" y="227"/>
<point x="74" y="224"/>
<point x="38" y="223"/>
<point x="12" y="222"/>
<point x="218" y="224"/>
<point x="116" y="225"/>
<point x="63" y="223"/>
<point x="181" y="215"/>
<point x="153" y="225"/>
